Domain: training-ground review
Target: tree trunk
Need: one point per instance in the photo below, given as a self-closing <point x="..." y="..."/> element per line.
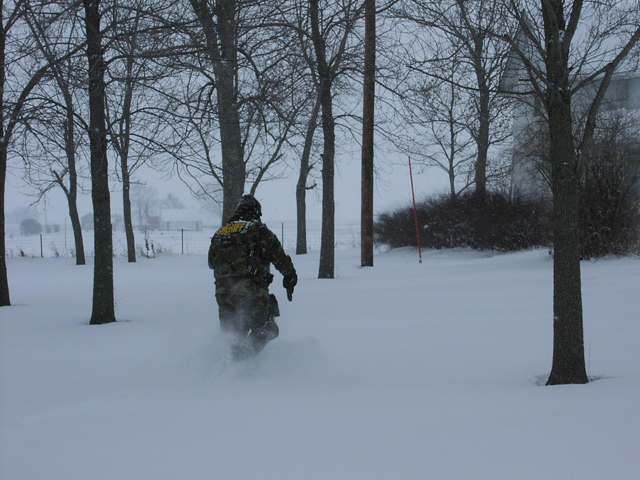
<point x="72" y="191"/>
<point x="568" y="342"/>
<point x="126" y="210"/>
<point x="124" y="142"/>
<point x="72" y="201"/>
<point x="301" y="187"/>
<point x="368" y="116"/>
<point x="327" y="242"/>
<point x="6" y="133"/>
<point x="482" y="142"/>
<point x="301" y="208"/>
<point x="103" y="299"/>
<point x="222" y="50"/>
<point x="76" y="226"/>
<point x="5" y="300"/>
<point x="451" y="172"/>
<point x="233" y="167"/>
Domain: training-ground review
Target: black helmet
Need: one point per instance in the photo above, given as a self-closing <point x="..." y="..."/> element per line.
<point x="248" y="208"/>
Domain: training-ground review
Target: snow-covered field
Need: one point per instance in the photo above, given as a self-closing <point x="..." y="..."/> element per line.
<point x="400" y="371"/>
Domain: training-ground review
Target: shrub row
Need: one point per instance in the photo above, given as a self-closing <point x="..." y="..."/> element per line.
<point x="609" y="222"/>
<point x="497" y="222"/>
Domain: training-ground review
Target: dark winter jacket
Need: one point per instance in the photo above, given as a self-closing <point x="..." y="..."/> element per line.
<point x="247" y="248"/>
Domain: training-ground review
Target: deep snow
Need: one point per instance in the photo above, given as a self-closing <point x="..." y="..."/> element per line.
<point x="400" y="371"/>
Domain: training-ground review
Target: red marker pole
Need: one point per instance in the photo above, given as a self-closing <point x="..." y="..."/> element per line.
<point x="415" y="212"/>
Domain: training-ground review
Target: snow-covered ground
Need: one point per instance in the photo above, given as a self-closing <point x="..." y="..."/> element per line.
<point x="400" y="371"/>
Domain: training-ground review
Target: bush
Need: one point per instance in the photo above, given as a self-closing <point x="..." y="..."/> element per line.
<point x="610" y="200"/>
<point x="609" y="211"/>
<point x="609" y="182"/>
<point x="497" y="222"/>
<point x="29" y="226"/>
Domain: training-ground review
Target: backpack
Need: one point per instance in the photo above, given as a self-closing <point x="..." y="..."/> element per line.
<point x="235" y="251"/>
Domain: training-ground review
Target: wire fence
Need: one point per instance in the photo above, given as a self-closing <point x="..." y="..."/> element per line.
<point x="150" y="243"/>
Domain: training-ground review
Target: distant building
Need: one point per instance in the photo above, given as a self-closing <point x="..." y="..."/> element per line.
<point x="172" y="219"/>
<point x="622" y="95"/>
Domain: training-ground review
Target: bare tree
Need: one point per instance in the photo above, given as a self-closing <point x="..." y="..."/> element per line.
<point x="468" y="34"/>
<point x="121" y="130"/>
<point x="144" y="202"/>
<point x="570" y="53"/>
<point x="7" y="124"/>
<point x="239" y="96"/>
<point x="137" y="118"/>
<point x="218" y="21"/>
<point x="331" y="32"/>
<point x="20" y="73"/>
<point x="51" y="152"/>
<point x="171" y="201"/>
<point x="488" y="57"/>
<point x="293" y="18"/>
<point x="608" y="177"/>
<point x="103" y="299"/>
<point x="435" y="127"/>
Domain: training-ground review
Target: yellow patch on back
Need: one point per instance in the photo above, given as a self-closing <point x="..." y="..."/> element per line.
<point x="230" y="228"/>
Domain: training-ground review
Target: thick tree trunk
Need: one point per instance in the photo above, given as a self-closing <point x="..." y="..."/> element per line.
<point x="568" y="342"/>
<point x="222" y="49"/>
<point x="103" y="299"/>
<point x="233" y="166"/>
<point x="368" y="116"/>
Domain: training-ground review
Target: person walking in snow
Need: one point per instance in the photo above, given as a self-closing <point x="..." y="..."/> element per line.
<point x="240" y="255"/>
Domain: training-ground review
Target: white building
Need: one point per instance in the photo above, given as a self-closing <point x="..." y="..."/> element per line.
<point x="622" y="96"/>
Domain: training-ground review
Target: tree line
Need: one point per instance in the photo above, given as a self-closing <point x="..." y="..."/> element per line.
<point x="228" y="94"/>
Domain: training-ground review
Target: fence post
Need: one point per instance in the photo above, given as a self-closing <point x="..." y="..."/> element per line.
<point x="41" y="249"/>
<point x="182" y="229"/>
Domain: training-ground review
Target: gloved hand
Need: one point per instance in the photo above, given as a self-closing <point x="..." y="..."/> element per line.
<point x="288" y="282"/>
